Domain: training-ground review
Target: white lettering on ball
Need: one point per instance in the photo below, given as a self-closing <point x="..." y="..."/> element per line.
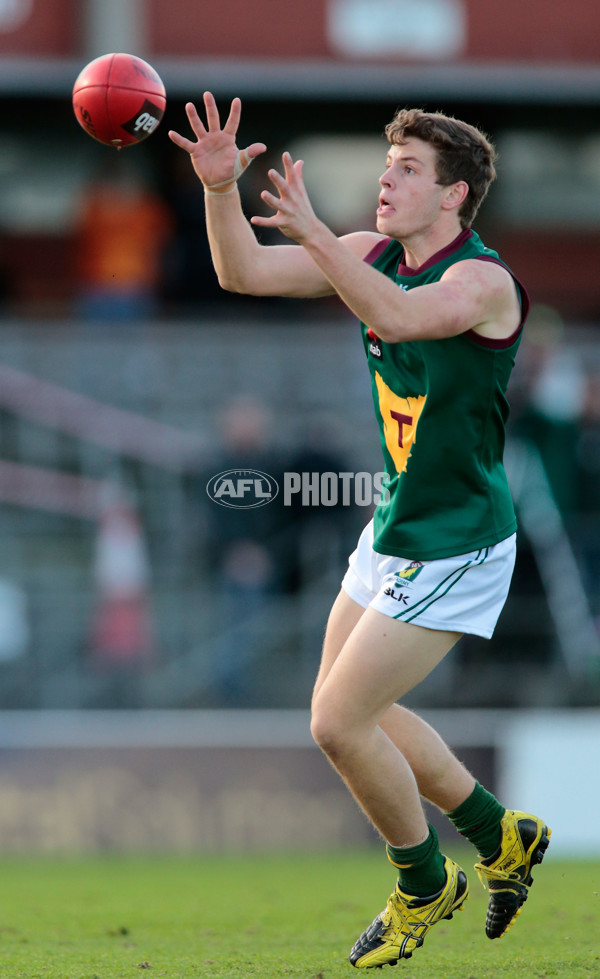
<point x="145" y="122"/>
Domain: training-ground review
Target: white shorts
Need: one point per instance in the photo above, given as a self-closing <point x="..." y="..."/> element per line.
<point x="465" y="593"/>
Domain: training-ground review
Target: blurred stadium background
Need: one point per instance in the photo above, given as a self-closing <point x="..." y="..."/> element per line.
<point x="157" y="651"/>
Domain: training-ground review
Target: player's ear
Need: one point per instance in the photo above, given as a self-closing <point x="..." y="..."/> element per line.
<point x="455" y="195"/>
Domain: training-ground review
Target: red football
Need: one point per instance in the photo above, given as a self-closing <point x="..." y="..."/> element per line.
<point x="119" y="99"/>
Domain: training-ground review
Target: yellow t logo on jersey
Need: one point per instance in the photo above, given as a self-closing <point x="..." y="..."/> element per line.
<point x="400" y="420"/>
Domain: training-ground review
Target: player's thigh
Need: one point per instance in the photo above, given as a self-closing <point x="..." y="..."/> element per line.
<point x="344" y="615"/>
<point x="381" y="660"/>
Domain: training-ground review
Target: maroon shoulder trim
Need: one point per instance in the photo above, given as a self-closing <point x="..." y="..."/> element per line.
<point x="502" y="344"/>
<point x="490" y="342"/>
<point x="377" y="250"/>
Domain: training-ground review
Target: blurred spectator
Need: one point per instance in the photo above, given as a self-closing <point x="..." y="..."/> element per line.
<point x="246" y="549"/>
<point x="256" y="554"/>
<point x="121" y="237"/>
<point x="121" y="641"/>
<point x="246" y="432"/>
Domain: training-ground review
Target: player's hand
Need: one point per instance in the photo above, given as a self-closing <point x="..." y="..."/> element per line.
<point x="215" y="156"/>
<point x="294" y="215"/>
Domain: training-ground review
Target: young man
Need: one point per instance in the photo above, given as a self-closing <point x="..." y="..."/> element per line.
<point x="441" y="319"/>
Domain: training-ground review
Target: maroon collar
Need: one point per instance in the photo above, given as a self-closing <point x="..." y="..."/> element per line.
<point x="454" y="246"/>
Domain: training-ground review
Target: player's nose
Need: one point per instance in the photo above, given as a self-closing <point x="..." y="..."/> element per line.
<point x="385" y="179"/>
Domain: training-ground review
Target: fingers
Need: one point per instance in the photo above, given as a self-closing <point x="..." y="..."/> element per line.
<point x="194" y="120"/>
<point x="293" y="173"/>
<point x="212" y="113"/>
<point x="278" y="204"/>
<point x="233" y="120"/>
<point x="289" y="202"/>
<point x="265" y="222"/>
<point x="254" y="150"/>
<point x="181" y="141"/>
<point x="288" y="165"/>
<point x="292" y="170"/>
<point x="276" y="178"/>
<point x="246" y="157"/>
<point x="271" y="200"/>
<point x="197" y="127"/>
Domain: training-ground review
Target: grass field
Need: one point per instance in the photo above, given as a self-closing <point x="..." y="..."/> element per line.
<point x="271" y="917"/>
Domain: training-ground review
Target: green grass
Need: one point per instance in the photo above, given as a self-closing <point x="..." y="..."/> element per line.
<point x="271" y="917"/>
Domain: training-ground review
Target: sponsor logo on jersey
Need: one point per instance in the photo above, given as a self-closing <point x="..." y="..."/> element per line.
<point x="375" y="345"/>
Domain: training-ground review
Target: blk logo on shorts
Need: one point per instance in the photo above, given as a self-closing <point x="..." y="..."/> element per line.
<point x="398" y="596"/>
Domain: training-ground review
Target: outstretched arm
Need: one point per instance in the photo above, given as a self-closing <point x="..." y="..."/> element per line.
<point x="471" y="295"/>
<point x="242" y="264"/>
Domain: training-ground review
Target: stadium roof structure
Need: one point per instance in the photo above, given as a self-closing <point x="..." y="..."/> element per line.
<point x="316" y="79"/>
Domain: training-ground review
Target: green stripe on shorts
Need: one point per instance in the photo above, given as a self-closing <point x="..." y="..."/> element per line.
<point x="432" y="596"/>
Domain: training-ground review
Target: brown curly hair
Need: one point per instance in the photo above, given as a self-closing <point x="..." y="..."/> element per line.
<point x="463" y="152"/>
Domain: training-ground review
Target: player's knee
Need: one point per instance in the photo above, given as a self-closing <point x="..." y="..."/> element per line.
<point x="328" y="729"/>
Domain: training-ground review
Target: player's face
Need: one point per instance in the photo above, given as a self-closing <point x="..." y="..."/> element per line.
<point x="410" y="198"/>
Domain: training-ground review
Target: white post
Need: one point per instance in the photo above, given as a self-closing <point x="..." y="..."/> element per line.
<point x="116" y="25"/>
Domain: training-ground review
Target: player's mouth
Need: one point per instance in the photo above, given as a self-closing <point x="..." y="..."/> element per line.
<point x="384" y="206"/>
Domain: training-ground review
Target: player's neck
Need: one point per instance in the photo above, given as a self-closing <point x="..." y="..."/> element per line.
<point x="420" y="247"/>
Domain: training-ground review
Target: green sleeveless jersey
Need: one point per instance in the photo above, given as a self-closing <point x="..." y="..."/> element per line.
<point x="441" y="407"/>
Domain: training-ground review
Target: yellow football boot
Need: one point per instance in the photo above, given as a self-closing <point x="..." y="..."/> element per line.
<point x="507" y="873"/>
<point x="402" y="926"/>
